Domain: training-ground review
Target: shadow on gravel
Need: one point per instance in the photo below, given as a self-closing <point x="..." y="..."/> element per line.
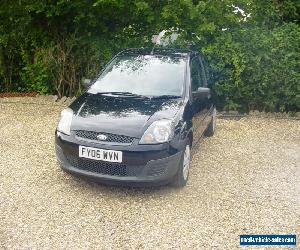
<point x="134" y="190"/>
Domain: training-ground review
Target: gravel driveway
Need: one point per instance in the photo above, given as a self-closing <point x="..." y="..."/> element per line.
<point x="243" y="180"/>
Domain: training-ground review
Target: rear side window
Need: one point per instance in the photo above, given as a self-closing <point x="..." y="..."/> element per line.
<point x="195" y="74"/>
<point x="198" y="74"/>
<point x="203" y="73"/>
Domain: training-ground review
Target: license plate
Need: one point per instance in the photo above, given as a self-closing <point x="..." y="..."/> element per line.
<point x="100" y="154"/>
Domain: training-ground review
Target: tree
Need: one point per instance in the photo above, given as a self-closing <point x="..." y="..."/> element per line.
<point x="252" y="46"/>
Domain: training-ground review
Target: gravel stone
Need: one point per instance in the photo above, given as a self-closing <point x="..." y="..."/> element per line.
<point x="232" y="112"/>
<point x="243" y="180"/>
<point x="54" y="98"/>
<point x="63" y="99"/>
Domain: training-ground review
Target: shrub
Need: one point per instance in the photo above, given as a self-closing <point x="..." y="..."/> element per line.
<point x="259" y="69"/>
<point x="36" y="78"/>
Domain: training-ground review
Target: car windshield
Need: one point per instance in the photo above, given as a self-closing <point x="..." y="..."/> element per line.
<point x="147" y="75"/>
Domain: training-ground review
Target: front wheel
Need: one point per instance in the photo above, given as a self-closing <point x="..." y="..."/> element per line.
<point x="182" y="175"/>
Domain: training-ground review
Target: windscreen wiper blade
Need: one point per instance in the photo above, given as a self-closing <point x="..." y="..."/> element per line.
<point x="166" y="97"/>
<point x="119" y="93"/>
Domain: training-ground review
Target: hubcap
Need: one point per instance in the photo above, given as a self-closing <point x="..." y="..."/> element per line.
<point x="186" y="161"/>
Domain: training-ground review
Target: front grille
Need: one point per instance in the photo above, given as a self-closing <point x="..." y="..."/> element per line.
<point x="102" y="167"/>
<point x="91" y="135"/>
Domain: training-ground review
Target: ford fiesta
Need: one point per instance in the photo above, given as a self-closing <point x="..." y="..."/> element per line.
<point x="138" y="121"/>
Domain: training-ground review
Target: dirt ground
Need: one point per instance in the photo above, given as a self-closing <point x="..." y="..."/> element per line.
<point x="243" y="180"/>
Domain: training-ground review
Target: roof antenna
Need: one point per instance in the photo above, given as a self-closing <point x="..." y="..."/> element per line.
<point x="156" y="39"/>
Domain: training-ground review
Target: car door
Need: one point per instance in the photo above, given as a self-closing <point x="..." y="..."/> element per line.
<point x="198" y="105"/>
<point x="206" y="100"/>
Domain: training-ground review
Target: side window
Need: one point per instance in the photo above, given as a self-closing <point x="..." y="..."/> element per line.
<point x="203" y="73"/>
<point x="195" y="74"/>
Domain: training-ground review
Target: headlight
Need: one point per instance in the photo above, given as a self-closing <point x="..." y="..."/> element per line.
<point x="158" y="132"/>
<point x="64" y="124"/>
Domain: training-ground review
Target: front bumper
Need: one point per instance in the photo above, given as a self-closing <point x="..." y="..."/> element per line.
<point x="141" y="164"/>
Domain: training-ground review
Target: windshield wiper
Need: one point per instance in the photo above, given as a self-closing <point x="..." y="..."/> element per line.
<point x="129" y="94"/>
<point x="119" y="93"/>
<point x="166" y="97"/>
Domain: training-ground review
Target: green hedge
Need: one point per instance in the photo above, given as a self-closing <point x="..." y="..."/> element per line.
<point x="253" y="56"/>
<point x="259" y="69"/>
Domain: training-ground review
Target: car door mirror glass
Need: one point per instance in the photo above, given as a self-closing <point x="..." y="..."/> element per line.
<point x="203" y="90"/>
<point x="203" y="93"/>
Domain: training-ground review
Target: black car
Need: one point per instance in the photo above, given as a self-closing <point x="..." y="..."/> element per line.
<point x="138" y="121"/>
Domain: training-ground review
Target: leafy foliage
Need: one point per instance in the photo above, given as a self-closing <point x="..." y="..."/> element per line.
<point x="252" y="46"/>
<point x="259" y="69"/>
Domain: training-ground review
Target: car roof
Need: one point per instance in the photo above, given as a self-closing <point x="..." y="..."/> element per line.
<point x="158" y="51"/>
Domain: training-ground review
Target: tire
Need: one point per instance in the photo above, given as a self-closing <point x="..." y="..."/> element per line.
<point x="212" y="125"/>
<point x="182" y="174"/>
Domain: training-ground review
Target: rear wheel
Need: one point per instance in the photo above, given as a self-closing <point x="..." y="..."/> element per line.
<point x="182" y="175"/>
<point x="212" y="125"/>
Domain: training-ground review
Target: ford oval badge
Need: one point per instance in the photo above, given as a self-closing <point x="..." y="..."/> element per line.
<point x="101" y="137"/>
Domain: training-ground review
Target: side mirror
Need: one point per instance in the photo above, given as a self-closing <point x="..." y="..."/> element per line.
<point x="203" y="93"/>
<point x="87" y="83"/>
